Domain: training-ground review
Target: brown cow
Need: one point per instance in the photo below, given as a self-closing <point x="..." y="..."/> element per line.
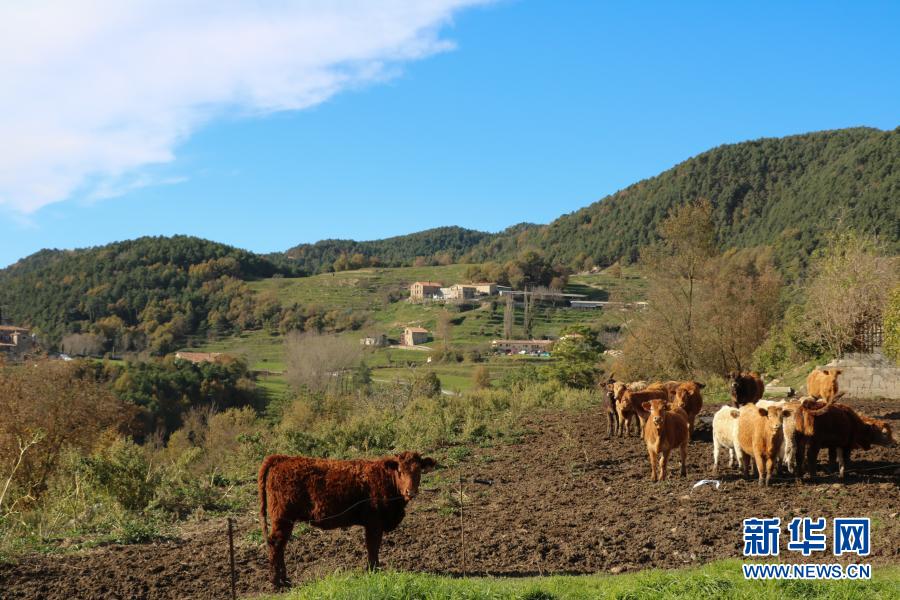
<point x="335" y="493"/>
<point x="823" y="383"/>
<point x="664" y="430"/>
<point x="630" y="405"/>
<point x="688" y="398"/>
<point x="746" y="387"/>
<point x="760" y="435"/>
<point x="612" y="415"/>
<point x="839" y="428"/>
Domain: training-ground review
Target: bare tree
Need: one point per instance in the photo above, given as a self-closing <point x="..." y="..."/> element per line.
<point x="444" y="328"/>
<point x="849" y="287"/>
<point x="508" y="317"/>
<point x="706" y="313"/>
<point x="320" y="362"/>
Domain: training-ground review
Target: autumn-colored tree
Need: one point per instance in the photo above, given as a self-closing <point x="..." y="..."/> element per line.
<point x="850" y="285"/>
<point x="481" y="378"/>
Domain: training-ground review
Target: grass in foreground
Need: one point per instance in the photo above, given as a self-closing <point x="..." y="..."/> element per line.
<point x="722" y="579"/>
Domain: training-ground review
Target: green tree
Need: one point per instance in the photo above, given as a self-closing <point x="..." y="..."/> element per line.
<point x="575" y="358"/>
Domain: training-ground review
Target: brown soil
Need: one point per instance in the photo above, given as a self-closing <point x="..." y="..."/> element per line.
<point x="564" y="500"/>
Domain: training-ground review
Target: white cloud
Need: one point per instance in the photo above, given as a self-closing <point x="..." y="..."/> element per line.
<point x="91" y="91"/>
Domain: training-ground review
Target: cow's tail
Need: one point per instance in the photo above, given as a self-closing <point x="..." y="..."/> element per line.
<point x="263" y="476"/>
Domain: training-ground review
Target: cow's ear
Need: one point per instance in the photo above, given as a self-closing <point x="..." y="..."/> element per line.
<point x="700" y="385"/>
<point x="786" y="413"/>
<point x="428" y="464"/>
<point x="391" y="464"/>
<point x="646" y="406"/>
<point x="735" y="413"/>
<point x="836" y="372"/>
<point x="763" y="412"/>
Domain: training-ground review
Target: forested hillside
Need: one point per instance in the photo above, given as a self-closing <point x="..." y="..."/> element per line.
<point x="147" y="293"/>
<point x="788" y="192"/>
<point x="443" y="245"/>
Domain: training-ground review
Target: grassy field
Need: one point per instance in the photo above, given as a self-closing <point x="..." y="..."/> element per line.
<point x="713" y="581"/>
<point x="372" y="291"/>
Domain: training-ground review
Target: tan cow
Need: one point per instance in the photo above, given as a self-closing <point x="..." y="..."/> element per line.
<point x="823" y="383"/>
<point x="630" y="406"/>
<point x="760" y="435"/>
<point x="664" y="430"/>
<point x="787" y="456"/>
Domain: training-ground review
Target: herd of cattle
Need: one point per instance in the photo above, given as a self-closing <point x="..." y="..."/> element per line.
<point x="775" y="434"/>
<point x="373" y="494"/>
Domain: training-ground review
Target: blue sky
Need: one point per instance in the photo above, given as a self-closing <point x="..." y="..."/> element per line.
<point x="536" y="109"/>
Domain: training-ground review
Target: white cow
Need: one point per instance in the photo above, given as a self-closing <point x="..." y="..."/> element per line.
<point x="725" y="436"/>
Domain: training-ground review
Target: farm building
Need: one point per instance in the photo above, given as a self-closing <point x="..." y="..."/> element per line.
<point x="413" y="336"/>
<point x="458" y="292"/>
<point x="486" y="289"/>
<point x="420" y="290"/>
<point x="517" y="346"/>
<point x="585" y="304"/>
<point x="374" y="340"/>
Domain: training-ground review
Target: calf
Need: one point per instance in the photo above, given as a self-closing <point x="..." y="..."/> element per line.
<point x="630" y="405"/>
<point x="612" y="415"/>
<point x="787" y="456"/>
<point x="664" y="430"/>
<point x="760" y="435"/>
<point x="725" y="435"/>
<point x="688" y="398"/>
<point x="746" y="387"/>
<point x="839" y="428"/>
<point x="823" y="383"/>
<point x="335" y="493"/>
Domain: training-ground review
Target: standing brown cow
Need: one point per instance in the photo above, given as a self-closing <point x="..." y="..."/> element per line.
<point x="664" y="430"/>
<point x="823" y="383"/>
<point x="612" y="415"/>
<point x="335" y="493"/>
<point x="760" y="435"/>
<point x="839" y="428"/>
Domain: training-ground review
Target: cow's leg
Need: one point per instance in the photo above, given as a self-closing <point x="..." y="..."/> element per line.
<point x="610" y="417"/>
<point x="278" y="539"/>
<point x="832" y="459"/>
<point x="374" y="532"/>
<point x="622" y="421"/>
<point x="684" y="459"/>
<point x="716" y="449"/>
<point x="760" y="467"/>
<point x="770" y="466"/>
<point x="843" y="460"/>
<point x="812" y="457"/>
<point x="664" y="465"/>
<point x="653" y="462"/>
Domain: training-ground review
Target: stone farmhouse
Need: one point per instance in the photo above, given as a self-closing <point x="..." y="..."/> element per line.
<point x="413" y="336"/>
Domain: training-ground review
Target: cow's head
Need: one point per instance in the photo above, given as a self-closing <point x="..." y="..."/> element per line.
<point x="884" y="435"/>
<point x="657" y="409"/>
<point x="735" y="378"/>
<point x="774" y="416"/>
<point x="407" y="469"/>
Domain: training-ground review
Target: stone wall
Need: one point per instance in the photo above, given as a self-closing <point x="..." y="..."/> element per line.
<point x="868" y="376"/>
